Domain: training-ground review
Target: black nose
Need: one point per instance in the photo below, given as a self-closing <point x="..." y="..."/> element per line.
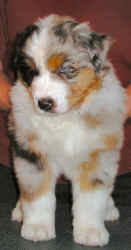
<point x="46" y="104"/>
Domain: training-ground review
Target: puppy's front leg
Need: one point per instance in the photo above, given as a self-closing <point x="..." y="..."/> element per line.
<point x="89" y="212"/>
<point x="37" y="200"/>
<point x="89" y="208"/>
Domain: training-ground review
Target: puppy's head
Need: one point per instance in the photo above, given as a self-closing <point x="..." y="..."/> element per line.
<point x="60" y="62"/>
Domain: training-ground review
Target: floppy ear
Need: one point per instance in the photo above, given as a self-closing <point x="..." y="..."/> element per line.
<point x="81" y="34"/>
<point x="16" y="60"/>
<point x="96" y="45"/>
<point x="87" y="39"/>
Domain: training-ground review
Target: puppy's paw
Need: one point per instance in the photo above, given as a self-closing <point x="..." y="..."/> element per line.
<point x="92" y="236"/>
<point x="36" y="232"/>
<point x="112" y="214"/>
<point x="17" y="213"/>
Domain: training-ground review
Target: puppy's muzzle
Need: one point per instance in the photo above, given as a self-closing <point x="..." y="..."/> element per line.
<point x="46" y="104"/>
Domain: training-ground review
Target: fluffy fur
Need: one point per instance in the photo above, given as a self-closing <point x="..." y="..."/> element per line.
<point x="68" y="110"/>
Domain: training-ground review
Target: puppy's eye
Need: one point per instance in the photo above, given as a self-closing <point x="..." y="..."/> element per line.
<point x="68" y="71"/>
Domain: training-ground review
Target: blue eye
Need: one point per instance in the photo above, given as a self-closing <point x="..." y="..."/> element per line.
<point x="68" y="71"/>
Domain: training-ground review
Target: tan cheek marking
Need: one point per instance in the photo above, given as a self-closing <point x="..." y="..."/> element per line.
<point x="92" y="121"/>
<point x="42" y="189"/>
<point x="87" y="82"/>
<point x="55" y="61"/>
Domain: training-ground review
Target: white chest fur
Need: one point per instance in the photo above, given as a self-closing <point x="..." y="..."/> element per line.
<point x="67" y="138"/>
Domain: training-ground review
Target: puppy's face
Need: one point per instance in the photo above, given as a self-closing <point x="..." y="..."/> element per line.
<point x="60" y="62"/>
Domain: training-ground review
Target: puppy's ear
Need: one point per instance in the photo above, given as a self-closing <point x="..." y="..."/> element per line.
<point x="16" y="59"/>
<point x="89" y="40"/>
<point x="81" y="34"/>
<point x="96" y="45"/>
<point x="107" y="43"/>
<point x="99" y="45"/>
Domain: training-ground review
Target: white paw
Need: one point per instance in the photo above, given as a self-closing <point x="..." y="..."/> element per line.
<point x="36" y="232"/>
<point x="112" y="214"/>
<point x="92" y="236"/>
<point x="17" y="213"/>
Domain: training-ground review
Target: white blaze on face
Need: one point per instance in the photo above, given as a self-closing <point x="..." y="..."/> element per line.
<point x="45" y="86"/>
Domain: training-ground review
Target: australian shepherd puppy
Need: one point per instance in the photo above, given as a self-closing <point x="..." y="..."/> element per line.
<point x="68" y="110"/>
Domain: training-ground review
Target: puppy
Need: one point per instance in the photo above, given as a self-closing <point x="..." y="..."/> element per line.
<point x="68" y="110"/>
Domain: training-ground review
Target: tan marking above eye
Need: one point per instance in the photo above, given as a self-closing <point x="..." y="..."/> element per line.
<point x="55" y="61"/>
<point x="86" y="83"/>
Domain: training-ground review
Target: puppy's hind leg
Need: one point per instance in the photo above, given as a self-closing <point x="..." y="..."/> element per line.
<point x="37" y="198"/>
